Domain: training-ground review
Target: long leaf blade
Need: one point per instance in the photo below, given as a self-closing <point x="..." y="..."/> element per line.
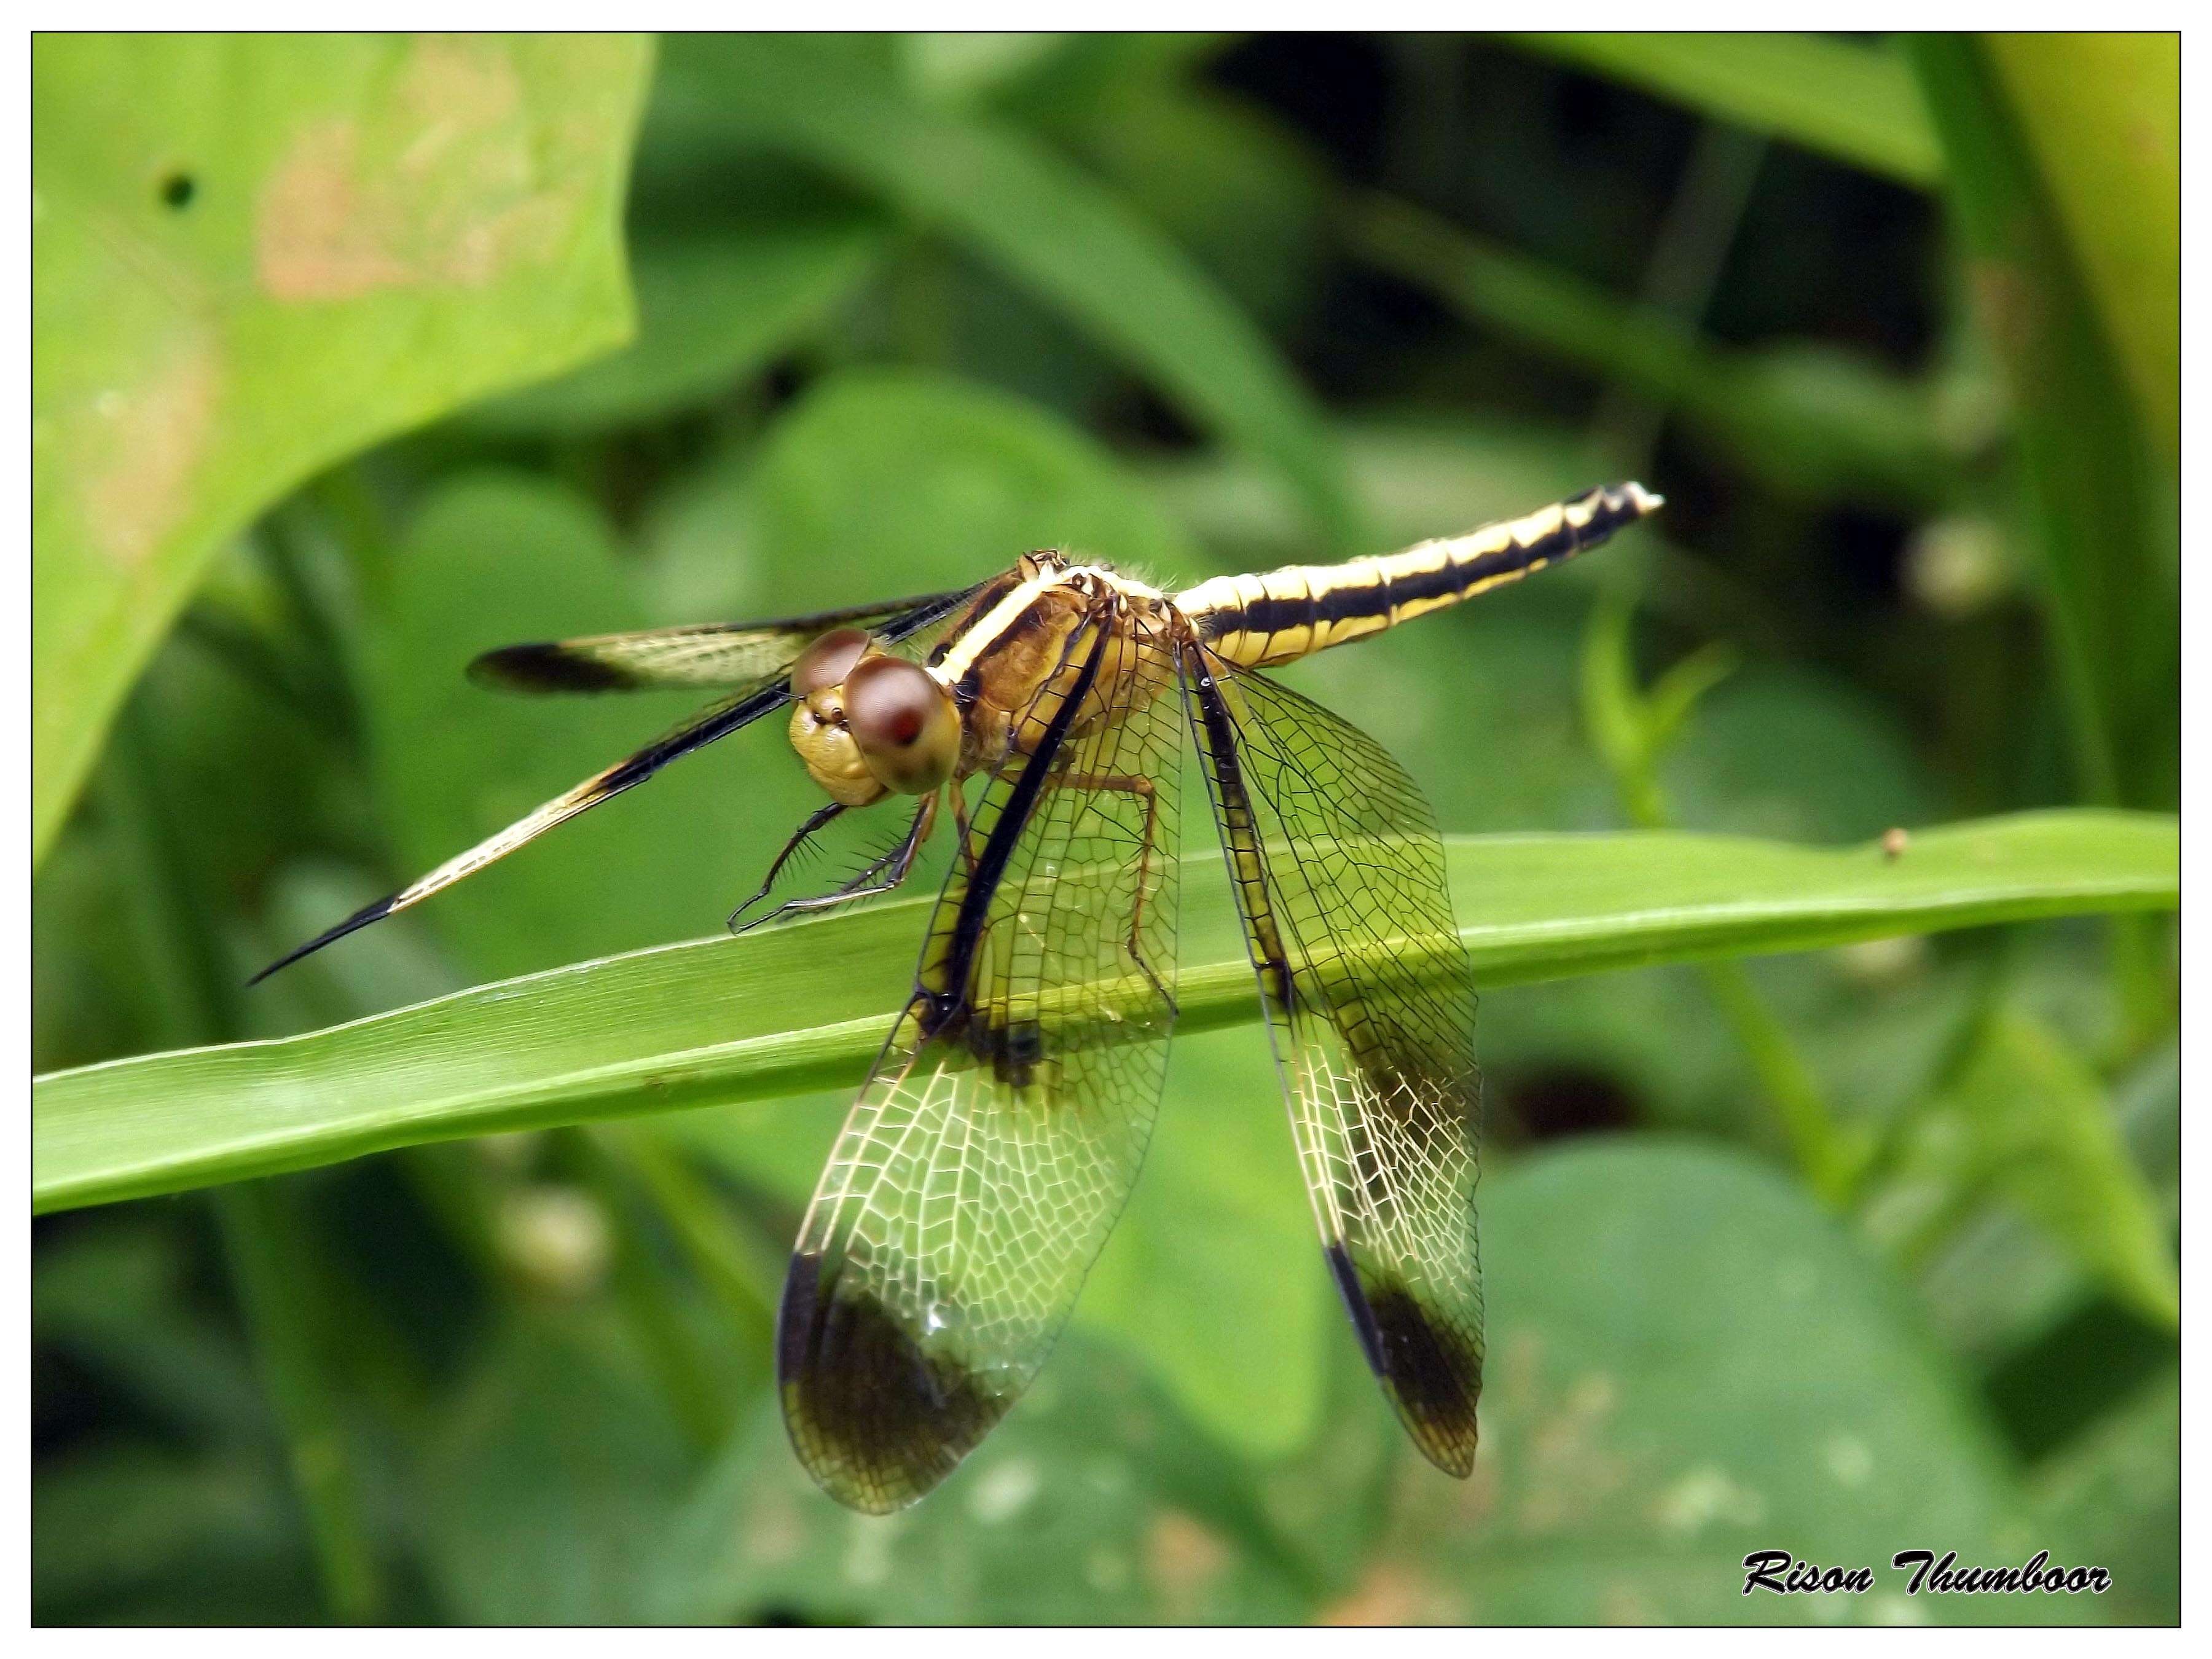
<point x="2099" y="509"/>
<point x="1857" y="103"/>
<point x="710" y="1022"/>
<point x="1050" y="227"/>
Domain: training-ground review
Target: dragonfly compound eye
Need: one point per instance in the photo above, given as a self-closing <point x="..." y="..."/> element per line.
<point x="827" y="661"/>
<point x="905" y="724"/>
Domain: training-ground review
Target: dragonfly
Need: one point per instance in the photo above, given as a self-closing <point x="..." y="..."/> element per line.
<point x="1001" y="1130"/>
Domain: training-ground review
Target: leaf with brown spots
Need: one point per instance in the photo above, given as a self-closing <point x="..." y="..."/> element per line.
<point x="230" y="293"/>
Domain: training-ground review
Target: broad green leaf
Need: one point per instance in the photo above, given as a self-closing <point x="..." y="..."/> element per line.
<point x="254" y="254"/>
<point x="2102" y="113"/>
<point x="961" y="479"/>
<point x="2116" y="1496"/>
<point x="969" y="67"/>
<point x="1661" y="1399"/>
<point x="494" y="557"/>
<point x="712" y="309"/>
<point x="926" y="481"/>
<point x="1855" y="102"/>
<point x="1689" y="1362"/>
<point x="1099" y="61"/>
<point x="2027" y="1121"/>
<point x="1221" y="1236"/>
<point x="544" y="1492"/>
<point x="1045" y="224"/>
<point x="804" y="1007"/>
<point x="1095" y="1502"/>
<point x="1797" y="754"/>
<point x="2101" y="510"/>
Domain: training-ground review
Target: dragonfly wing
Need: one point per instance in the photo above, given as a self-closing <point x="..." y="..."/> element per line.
<point x="991" y="1151"/>
<point x="1339" y="875"/>
<point x="768" y="691"/>
<point x="725" y="654"/>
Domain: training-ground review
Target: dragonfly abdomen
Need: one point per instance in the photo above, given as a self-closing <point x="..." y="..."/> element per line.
<point x="1279" y="616"/>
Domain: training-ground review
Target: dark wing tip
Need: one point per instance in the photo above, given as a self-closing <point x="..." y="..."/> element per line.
<point x="1432" y="1372"/>
<point x="877" y="1419"/>
<point x="548" y="666"/>
<point x="353" y="924"/>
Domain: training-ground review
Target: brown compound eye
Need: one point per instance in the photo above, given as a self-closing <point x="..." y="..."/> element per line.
<point x="905" y="724"/>
<point x="827" y="661"/>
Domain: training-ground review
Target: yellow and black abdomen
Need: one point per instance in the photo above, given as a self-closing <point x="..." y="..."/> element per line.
<point x="1279" y="615"/>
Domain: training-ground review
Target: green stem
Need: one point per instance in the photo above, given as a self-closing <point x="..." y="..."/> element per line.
<point x="642" y="1282"/>
<point x="1633" y="726"/>
<point x="263" y="1247"/>
<point x="199" y="988"/>
<point x="743" y="1277"/>
<point x="1816" y="1141"/>
<point x="1684" y="268"/>
<point x="2144" y="976"/>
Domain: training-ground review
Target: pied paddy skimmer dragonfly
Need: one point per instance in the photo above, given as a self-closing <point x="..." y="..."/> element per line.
<point x="1001" y="1131"/>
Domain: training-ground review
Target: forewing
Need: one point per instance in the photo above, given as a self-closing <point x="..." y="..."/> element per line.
<point x="708" y="654"/>
<point x="910" y="630"/>
<point x="1339" y="874"/>
<point x="994" y="1146"/>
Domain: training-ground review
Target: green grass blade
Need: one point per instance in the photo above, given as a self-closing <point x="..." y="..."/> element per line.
<point x="2103" y="114"/>
<point x="2099" y="506"/>
<point x="1047" y="226"/>
<point x="713" y="1022"/>
<point x="1857" y="103"/>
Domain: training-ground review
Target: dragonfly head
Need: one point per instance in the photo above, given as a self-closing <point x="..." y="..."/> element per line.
<point x="867" y="724"/>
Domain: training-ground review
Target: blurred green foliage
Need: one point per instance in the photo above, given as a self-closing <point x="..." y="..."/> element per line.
<point x="1841" y="1251"/>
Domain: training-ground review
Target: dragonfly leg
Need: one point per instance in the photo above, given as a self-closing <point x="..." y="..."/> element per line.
<point x="960" y="822"/>
<point x="1129" y="784"/>
<point x="879" y="877"/>
<point x="815" y="822"/>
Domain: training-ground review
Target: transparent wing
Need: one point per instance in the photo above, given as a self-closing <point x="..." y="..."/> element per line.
<point x="1339" y="875"/>
<point x="726" y="654"/>
<point x="911" y="629"/>
<point x="991" y="1150"/>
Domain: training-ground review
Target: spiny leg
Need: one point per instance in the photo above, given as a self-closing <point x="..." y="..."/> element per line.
<point x="1142" y="787"/>
<point x="816" y="820"/>
<point x="892" y="867"/>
